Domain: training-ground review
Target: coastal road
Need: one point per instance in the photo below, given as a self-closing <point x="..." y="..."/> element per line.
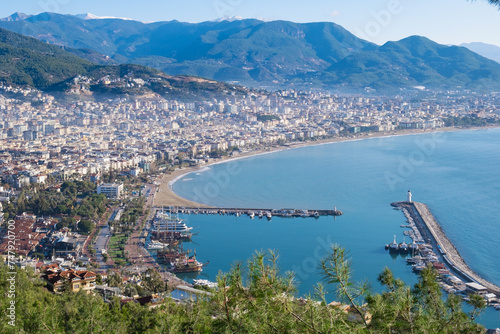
<point x="102" y="242"/>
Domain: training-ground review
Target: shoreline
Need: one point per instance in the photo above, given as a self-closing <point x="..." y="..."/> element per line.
<point x="167" y="197"/>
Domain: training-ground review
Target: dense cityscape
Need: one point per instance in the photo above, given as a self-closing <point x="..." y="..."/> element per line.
<point x="42" y="136"/>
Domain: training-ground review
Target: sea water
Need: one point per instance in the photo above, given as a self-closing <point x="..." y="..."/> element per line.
<point x="457" y="174"/>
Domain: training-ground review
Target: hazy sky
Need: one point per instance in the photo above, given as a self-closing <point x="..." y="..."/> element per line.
<point x="444" y="21"/>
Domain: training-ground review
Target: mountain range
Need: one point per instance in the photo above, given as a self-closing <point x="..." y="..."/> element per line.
<point x="258" y="53"/>
<point x="26" y="61"/>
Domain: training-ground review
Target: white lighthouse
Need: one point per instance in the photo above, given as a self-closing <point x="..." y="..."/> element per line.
<point x="408" y="196"/>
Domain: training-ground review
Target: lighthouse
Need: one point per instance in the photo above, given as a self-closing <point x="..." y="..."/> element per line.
<point x="408" y="196"/>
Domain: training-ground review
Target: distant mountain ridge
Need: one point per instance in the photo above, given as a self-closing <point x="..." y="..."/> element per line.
<point x="276" y="53"/>
<point x="486" y="50"/>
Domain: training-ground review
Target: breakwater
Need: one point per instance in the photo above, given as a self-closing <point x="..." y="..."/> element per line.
<point x="433" y="233"/>
<point x="292" y="213"/>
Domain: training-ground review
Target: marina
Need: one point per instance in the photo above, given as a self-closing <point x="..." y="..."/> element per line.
<point x="167" y="231"/>
<point x="435" y="249"/>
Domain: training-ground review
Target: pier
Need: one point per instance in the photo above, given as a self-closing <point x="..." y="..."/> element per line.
<point x="433" y="233"/>
<point x="291" y="213"/>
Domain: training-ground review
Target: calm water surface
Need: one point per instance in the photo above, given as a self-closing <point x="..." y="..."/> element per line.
<point x="457" y="174"/>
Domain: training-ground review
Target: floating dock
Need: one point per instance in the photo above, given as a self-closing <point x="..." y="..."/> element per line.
<point x="291" y="213"/>
<point x="433" y="233"/>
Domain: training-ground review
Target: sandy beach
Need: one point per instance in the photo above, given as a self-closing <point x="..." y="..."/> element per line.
<point x="166" y="197"/>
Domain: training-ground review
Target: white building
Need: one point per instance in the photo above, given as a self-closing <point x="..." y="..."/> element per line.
<point x="111" y="190"/>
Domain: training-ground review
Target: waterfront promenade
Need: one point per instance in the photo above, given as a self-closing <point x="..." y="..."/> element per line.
<point x="448" y="249"/>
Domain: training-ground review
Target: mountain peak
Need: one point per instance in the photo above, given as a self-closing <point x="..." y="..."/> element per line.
<point x="89" y="16"/>
<point x="229" y="18"/>
<point x="17" y="16"/>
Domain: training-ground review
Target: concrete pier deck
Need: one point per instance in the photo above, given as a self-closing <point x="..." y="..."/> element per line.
<point x="448" y="250"/>
<point x="247" y="211"/>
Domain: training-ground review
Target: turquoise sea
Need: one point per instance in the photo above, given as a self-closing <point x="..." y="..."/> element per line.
<point x="457" y="174"/>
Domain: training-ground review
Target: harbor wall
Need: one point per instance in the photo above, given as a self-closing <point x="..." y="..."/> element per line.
<point x="448" y="250"/>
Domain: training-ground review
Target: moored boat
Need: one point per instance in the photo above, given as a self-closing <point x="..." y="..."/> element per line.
<point x="189" y="265"/>
<point x="403" y="247"/>
<point x="156" y="245"/>
<point x="393" y="246"/>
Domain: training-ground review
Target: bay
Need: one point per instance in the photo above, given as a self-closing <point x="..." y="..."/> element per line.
<point x="456" y="174"/>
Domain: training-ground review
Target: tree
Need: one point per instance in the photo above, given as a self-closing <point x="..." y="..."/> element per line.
<point x="251" y="298"/>
<point x="336" y="268"/>
<point x="421" y="309"/>
<point x="130" y="291"/>
<point x="152" y="280"/>
<point x="86" y="226"/>
<point x="115" y="280"/>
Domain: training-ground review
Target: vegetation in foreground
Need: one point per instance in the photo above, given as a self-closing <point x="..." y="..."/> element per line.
<point x="254" y="298"/>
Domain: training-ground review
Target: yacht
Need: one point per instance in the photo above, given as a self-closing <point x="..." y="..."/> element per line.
<point x="164" y="222"/>
<point x="157" y="245"/>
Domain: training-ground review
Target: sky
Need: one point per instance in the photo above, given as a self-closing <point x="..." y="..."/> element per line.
<point x="379" y="21"/>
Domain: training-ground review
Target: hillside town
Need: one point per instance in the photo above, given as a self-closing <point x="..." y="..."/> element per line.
<point x="104" y="154"/>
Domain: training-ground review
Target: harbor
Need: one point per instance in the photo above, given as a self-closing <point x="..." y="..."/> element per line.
<point x="166" y="232"/>
<point x="435" y="249"/>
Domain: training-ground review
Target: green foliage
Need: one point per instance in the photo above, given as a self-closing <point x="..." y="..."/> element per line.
<point x="86" y="226"/>
<point x="264" y="118"/>
<point x="251" y="298"/>
<point x="468" y="121"/>
<point x="50" y="202"/>
<point x="27" y="61"/>
<point x="402" y="310"/>
<point x="114" y="280"/>
<point x="152" y="281"/>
